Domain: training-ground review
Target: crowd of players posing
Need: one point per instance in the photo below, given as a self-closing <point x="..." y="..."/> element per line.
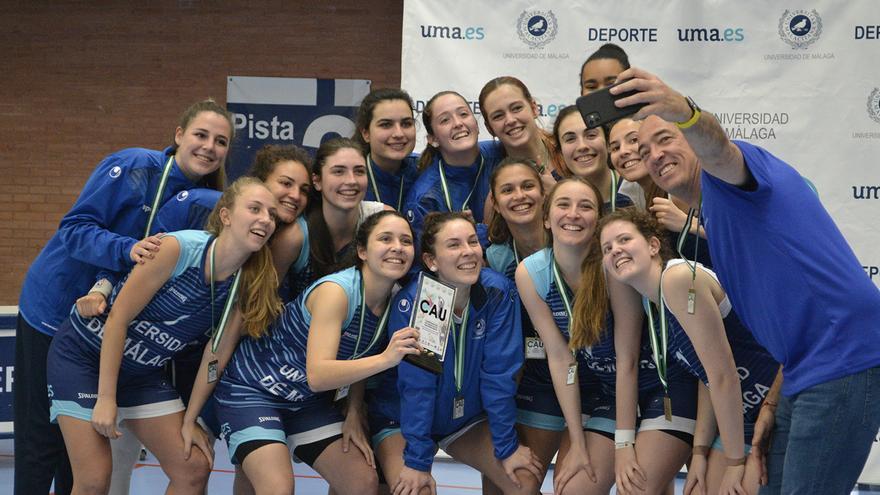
<point x="588" y="321"/>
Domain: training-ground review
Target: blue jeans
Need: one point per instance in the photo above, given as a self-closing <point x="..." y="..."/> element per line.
<point x="823" y="436"/>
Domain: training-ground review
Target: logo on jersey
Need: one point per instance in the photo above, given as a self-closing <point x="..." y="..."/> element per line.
<point x="403" y="306"/>
<point x="115" y="172"/>
<point x="480" y="329"/>
<point x="536" y="28"/>
<point x="225" y="430"/>
<point x="874" y="105"/>
<point x="182" y="195"/>
<point x="410" y="216"/>
<point x="800" y="28"/>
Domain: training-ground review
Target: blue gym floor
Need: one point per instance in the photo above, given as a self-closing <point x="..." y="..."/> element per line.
<point x="452" y="478"/>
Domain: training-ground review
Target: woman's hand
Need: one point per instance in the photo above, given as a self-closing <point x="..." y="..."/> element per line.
<point x="761" y="439"/>
<point x="353" y="433"/>
<point x="696" y="478"/>
<point x="411" y="481"/>
<point x="628" y="474"/>
<point x="104" y="418"/>
<point x="404" y="341"/>
<point x="145" y="249"/>
<point x="91" y="304"/>
<point x="577" y="459"/>
<point x="668" y="215"/>
<point x="522" y="458"/>
<point x="193" y="433"/>
<point x="731" y="482"/>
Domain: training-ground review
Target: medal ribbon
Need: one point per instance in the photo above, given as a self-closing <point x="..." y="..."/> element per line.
<point x="217" y="331"/>
<point x="159" y="190"/>
<point x="445" y="186"/>
<point x="375" y="185"/>
<point x="380" y="327"/>
<point x="658" y="349"/>
<point x="460" y="343"/>
<point x="562" y="286"/>
<point x="614" y="183"/>
<point x="515" y="253"/>
<point x="679" y="244"/>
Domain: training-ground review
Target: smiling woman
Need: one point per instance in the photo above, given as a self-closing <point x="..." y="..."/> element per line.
<point x="112" y="367"/>
<point x="331" y="337"/>
<point x="106" y="229"/>
<point x="386" y="129"/>
<point x="336" y="208"/>
<point x="414" y="411"/>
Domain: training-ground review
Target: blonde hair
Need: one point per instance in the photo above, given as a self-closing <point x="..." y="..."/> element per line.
<point x="258" y="290"/>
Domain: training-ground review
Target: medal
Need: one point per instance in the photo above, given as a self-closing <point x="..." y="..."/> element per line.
<point x="572" y="373"/>
<point x="458" y="407"/>
<point x="212" y="371"/>
<point x="341" y="393"/>
<point x="692" y="300"/>
<point x="667" y="407"/>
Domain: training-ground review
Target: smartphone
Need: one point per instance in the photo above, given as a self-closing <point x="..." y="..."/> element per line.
<point x="597" y="108"/>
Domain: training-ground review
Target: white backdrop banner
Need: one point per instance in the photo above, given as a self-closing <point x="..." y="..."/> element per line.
<point x="800" y="79"/>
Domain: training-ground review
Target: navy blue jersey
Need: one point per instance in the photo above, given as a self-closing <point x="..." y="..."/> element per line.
<point x="271" y="370"/>
<point x="755" y="366"/>
<point x="177" y="316"/>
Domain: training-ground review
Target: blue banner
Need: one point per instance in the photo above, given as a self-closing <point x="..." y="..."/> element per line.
<point x="284" y="111"/>
<point x="7" y="371"/>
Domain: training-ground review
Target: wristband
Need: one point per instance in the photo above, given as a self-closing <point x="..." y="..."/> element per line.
<point x="103" y="287"/>
<point x="624" y="436"/>
<point x="741" y="461"/>
<point x="623" y="445"/>
<point x="694" y="117"/>
<point x="702" y="450"/>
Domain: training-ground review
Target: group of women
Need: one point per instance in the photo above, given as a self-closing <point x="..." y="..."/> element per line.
<point x="283" y="305"/>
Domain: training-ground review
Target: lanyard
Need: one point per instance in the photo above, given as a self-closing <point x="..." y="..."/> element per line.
<point x="217" y="331"/>
<point x="658" y="350"/>
<point x="375" y="185"/>
<point x="159" y="190"/>
<point x="445" y="187"/>
<point x="562" y="286"/>
<point x="460" y="343"/>
<point x="515" y="254"/>
<point x="679" y="244"/>
<point x="380" y="327"/>
<point x="613" y="190"/>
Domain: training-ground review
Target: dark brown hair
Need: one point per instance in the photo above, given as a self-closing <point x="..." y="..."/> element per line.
<point x="217" y="179"/>
<point x="270" y="155"/>
<point x="321" y="248"/>
<point x="368" y="105"/>
<point x="499" y="232"/>
<point x="429" y="153"/>
<point x="435" y="221"/>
